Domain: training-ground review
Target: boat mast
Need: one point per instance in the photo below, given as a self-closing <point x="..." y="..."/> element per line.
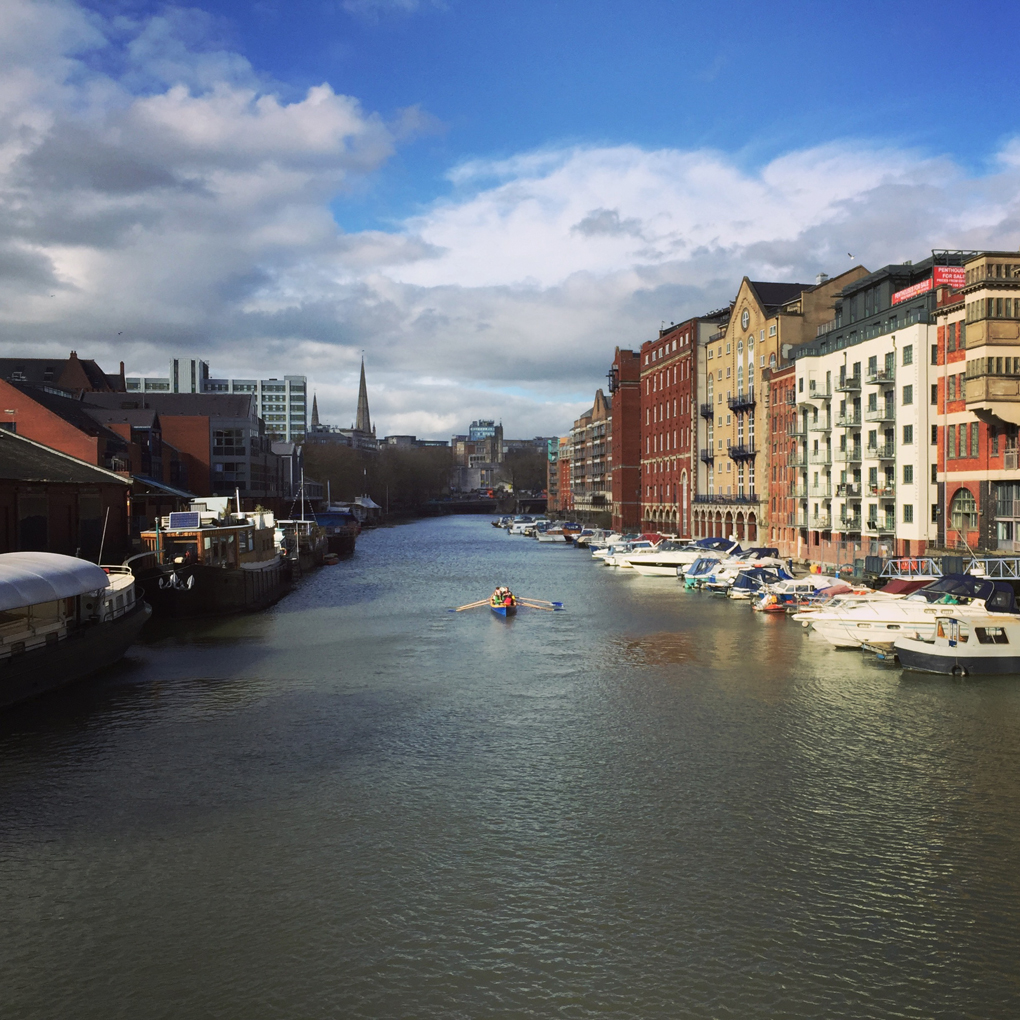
<point x="302" y="494"/>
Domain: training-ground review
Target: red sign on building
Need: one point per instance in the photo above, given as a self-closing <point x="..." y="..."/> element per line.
<point x="950" y="276"/>
<point x="911" y="292"/>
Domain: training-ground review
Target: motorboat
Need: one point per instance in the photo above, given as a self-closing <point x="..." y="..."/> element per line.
<point x="600" y="550"/>
<point x="669" y="555"/>
<point x="752" y="581"/>
<point x="62" y="619"/>
<point x="552" y="533"/>
<point x="519" y="524"/>
<point x="882" y="621"/>
<point x="702" y="570"/>
<point x="964" y="645"/>
<point x="618" y="555"/>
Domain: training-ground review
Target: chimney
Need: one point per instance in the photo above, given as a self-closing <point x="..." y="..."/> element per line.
<point x="821" y="278"/>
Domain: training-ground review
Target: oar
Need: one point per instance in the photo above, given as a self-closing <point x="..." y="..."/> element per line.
<point x="470" y="605"/>
<point x="545" y="602"/>
<point x="545" y="609"/>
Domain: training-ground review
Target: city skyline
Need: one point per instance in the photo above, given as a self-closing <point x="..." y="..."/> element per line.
<point x="247" y="186"/>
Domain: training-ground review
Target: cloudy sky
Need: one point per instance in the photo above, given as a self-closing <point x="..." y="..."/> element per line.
<point x="483" y="197"/>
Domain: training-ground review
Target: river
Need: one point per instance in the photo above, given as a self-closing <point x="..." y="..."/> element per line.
<point x="652" y="805"/>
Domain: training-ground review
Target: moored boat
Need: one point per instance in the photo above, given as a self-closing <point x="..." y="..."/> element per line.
<point x="202" y="563"/>
<point x="62" y="619"/>
<point x="976" y="644"/>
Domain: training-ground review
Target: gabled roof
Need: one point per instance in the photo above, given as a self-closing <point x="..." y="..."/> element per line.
<point x="73" y="411"/>
<point x="211" y="405"/>
<point x="25" y="460"/>
<point x="71" y="372"/>
<point x="772" y="295"/>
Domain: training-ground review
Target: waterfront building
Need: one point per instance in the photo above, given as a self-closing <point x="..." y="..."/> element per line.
<point x="625" y="472"/>
<point x="977" y="386"/>
<point x="591" y="461"/>
<point x="866" y="413"/>
<point x="767" y="319"/>
<point x="51" y="501"/>
<point x="279" y="402"/>
<point x="784" y="474"/>
<point x="669" y="397"/>
<point x="552" y="475"/>
<point x="565" y="449"/>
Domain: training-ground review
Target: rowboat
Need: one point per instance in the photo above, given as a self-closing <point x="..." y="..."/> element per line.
<point x="503" y="610"/>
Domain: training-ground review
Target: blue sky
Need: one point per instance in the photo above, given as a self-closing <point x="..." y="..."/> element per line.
<point x="484" y="197"/>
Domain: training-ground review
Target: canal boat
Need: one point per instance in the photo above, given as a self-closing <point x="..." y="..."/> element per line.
<point x="207" y="562"/>
<point x="340" y="528"/>
<point x="62" y="619"/>
<point x="976" y="644"/>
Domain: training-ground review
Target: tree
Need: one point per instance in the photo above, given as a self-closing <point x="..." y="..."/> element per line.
<point x="525" y="470"/>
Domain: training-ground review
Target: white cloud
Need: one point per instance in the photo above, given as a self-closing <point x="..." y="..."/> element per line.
<point x="181" y="203"/>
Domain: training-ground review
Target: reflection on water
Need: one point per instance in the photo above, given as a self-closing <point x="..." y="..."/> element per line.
<point x="654" y="804"/>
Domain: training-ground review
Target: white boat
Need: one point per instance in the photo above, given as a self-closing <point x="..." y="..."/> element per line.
<point x="518" y="524"/>
<point x="62" y="619"/>
<point x="665" y="558"/>
<point x="552" y="535"/>
<point x="882" y="621"/>
<point x="964" y="645"/>
<point x="617" y="555"/>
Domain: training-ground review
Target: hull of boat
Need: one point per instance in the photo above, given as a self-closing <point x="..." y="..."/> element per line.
<point x="553" y="538"/>
<point x="215" y="592"/>
<point x="926" y="658"/>
<point x="80" y="654"/>
<point x="655" y="569"/>
<point x="504" y="611"/>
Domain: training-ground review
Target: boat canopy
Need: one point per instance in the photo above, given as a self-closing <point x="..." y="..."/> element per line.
<point x="28" y="578"/>
<point x="998" y="596"/>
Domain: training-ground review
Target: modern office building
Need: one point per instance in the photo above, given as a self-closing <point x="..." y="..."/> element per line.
<point x="280" y="402"/>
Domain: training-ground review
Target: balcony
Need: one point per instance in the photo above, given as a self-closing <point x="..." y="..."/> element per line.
<point x="822" y="456"/>
<point x="883" y="490"/>
<point x="849" y="456"/>
<point x="797" y="431"/>
<point x="848" y="421"/>
<point x="821" y="522"/>
<point x="797" y="460"/>
<point x="850" y="523"/>
<point x="822" y="425"/>
<point x="849" y="490"/>
<point x="742" y="452"/>
<point x="879" y="527"/>
<point x="883" y="377"/>
<point x="798" y="491"/>
<point x="708" y="456"/>
<point x="742" y="401"/>
<point x="849" y="384"/>
<point x="801" y="518"/>
<point x="791" y="399"/>
<point x="717" y="498"/>
<point x="821" y="491"/>
<point x="887" y="451"/>
<point x="818" y="392"/>
<point x="708" y="411"/>
<point x="884" y="413"/>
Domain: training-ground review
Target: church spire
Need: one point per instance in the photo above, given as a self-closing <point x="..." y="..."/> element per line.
<point x="363" y="423"/>
<point x="315" y="411"/>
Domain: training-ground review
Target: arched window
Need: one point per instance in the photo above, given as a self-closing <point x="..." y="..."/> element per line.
<point x="740" y="347"/>
<point x="740" y="378"/>
<point x="772" y="361"/>
<point x="963" y="511"/>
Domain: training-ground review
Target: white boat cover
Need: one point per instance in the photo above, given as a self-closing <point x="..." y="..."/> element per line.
<point x="28" y="578"/>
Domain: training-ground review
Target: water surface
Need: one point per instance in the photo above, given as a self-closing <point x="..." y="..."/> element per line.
<point x="652" y="805"/>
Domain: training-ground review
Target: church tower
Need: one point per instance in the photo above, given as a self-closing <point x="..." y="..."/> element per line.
<point x="315" y="413"/>
<point x="363" y="423"/>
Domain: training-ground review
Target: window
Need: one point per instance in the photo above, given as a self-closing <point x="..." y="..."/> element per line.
<point x="934" y="435"/>
<point x="951" y="443"/>
<point x="995" y="444"/>
<point x="908" y="395"/>
<point x="935" y="512"/>
<point x="952" y="388"/>
<point x="908" y="354"/>
<point x="963" y="511"/>
<point x="974" y="426"/>
<point x="934" y="393"/>
<point x="772" y="330"/>
<point x="908" y="513"/>
<point x="908" y="474"/>
<point x="934" y="354"/>
<point x="908" y="435"/>
<point x="934" y="474"/>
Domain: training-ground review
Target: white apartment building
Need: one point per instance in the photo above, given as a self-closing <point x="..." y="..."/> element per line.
<point x="867" y="416"/>
<point x="281" y="403"/>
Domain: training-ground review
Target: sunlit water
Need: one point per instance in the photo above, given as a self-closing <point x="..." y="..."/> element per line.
<point x="652" y="805"/>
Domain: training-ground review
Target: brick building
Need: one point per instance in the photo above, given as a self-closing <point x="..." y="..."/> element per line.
<point x="977" y="387"/>
<point x="591" y="461"/>
<point x="52" y="502"/>
<point x="625" y="472"/>
<point x="73" y="374"/>
<point x="784" y="474"/>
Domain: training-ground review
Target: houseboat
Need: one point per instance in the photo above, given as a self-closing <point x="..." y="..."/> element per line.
<point x="204" y="562"/>
<point x="341" y="529"/>
<point x="62" y="619"/>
